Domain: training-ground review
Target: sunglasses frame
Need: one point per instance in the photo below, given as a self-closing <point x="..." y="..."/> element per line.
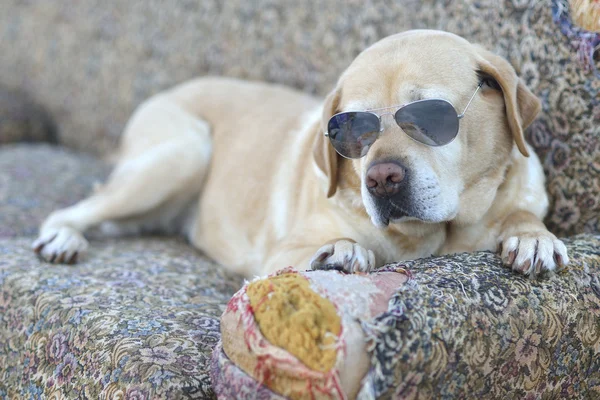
<point x="400" y="107"/>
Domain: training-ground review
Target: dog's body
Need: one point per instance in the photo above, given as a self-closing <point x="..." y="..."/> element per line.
<point x="244" y="170"/>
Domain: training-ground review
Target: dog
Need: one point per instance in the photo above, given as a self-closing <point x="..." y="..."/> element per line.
<point x="260" y="176"/>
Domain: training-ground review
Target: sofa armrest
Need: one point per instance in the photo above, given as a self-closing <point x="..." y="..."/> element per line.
<point x="466" y="327"/>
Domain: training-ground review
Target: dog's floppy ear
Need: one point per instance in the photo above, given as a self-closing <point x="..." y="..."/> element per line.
<point x="324" y="154"/>
<point x="522" y="106"/>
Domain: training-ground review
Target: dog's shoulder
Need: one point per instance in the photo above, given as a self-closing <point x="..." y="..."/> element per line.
<point x="524" y="186"/>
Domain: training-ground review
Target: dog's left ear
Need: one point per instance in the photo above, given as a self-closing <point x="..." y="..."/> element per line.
<point x="522" y="106"/>
<point x="324" y="154"/>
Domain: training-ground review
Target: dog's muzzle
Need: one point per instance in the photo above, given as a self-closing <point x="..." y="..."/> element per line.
<point x="388" y="184"/>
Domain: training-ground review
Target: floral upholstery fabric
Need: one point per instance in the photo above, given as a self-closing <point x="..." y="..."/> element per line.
<point x="137" y="319"/>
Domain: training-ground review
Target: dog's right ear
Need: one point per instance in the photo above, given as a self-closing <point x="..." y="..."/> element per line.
<point x="521" y="105"/>
<point x="324" y="154"/>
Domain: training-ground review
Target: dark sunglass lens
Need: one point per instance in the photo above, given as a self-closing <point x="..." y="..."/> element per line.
<point x="352" y="133"/>
<point x="431" y="122"/>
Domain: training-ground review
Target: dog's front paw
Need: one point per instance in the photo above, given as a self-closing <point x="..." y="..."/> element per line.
<point x="60" y="245"/>
<point x="344" y="256"/>
<point x="534" y="253"/>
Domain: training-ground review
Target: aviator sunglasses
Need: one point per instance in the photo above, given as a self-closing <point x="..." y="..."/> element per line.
<point x="433" y="122"/>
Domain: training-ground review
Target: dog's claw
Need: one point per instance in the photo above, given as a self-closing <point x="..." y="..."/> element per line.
<point x="538" y="267"/>
<point x="72" y="259"/>
<point x="40" y="243"/>
<point x="524" y="268"/>
<point x="511" y="257"/>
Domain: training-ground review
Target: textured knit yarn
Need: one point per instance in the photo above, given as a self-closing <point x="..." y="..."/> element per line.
<point x="292" y="316"/>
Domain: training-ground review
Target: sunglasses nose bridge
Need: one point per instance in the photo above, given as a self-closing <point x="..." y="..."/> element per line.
<point x="381" y="119"/>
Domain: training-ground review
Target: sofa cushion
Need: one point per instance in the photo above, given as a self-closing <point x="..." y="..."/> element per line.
<point x="461" y="327"/>
<point x="38" y="179"/>
<point x="137" y="319"/>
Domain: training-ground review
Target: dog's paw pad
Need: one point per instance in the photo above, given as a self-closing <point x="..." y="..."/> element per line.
<point x="344" y="256"/>
<point x="533" y="254"/>
<point x="60" y="245"/>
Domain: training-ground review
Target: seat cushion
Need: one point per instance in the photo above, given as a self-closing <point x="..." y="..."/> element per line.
<point x="36" y="179"/>
<point x="137" y="319"/>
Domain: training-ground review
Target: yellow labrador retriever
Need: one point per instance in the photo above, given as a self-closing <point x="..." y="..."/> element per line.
<point x="418" y="150"/>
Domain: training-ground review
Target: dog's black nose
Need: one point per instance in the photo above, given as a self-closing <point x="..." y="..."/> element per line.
<point x="385" y="179"/>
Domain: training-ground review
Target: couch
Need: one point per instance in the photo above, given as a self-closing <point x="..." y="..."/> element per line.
<point x="139" y="317"/>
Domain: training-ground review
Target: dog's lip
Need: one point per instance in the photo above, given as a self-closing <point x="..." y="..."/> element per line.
<point x="384" y="218"/>
<point x="406" y="218"/>
<point x="381" y="223"/>
<point x="387" y="213"/>
<point x="384" y="222"/>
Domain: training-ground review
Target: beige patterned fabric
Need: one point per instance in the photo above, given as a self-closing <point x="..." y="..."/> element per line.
<point x="36" y="179"/>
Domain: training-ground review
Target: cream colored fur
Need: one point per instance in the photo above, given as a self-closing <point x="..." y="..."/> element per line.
<point x="244" y="171"/>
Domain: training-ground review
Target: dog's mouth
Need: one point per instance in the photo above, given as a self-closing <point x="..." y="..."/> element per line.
<point x="393" y="193"/>
<point x="406" y="208"/>
<point x="392" y="211"/>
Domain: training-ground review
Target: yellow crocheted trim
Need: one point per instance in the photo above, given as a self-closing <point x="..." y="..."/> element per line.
<point x="292" y="316"/>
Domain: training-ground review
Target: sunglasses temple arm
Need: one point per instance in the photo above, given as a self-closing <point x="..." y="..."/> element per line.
<point x="470" y="100"/>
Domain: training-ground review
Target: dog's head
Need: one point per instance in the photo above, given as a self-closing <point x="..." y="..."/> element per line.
<point x="457" y="181"/>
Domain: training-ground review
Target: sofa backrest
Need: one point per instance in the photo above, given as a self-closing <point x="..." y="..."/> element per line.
<point x="92" y="62"/>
